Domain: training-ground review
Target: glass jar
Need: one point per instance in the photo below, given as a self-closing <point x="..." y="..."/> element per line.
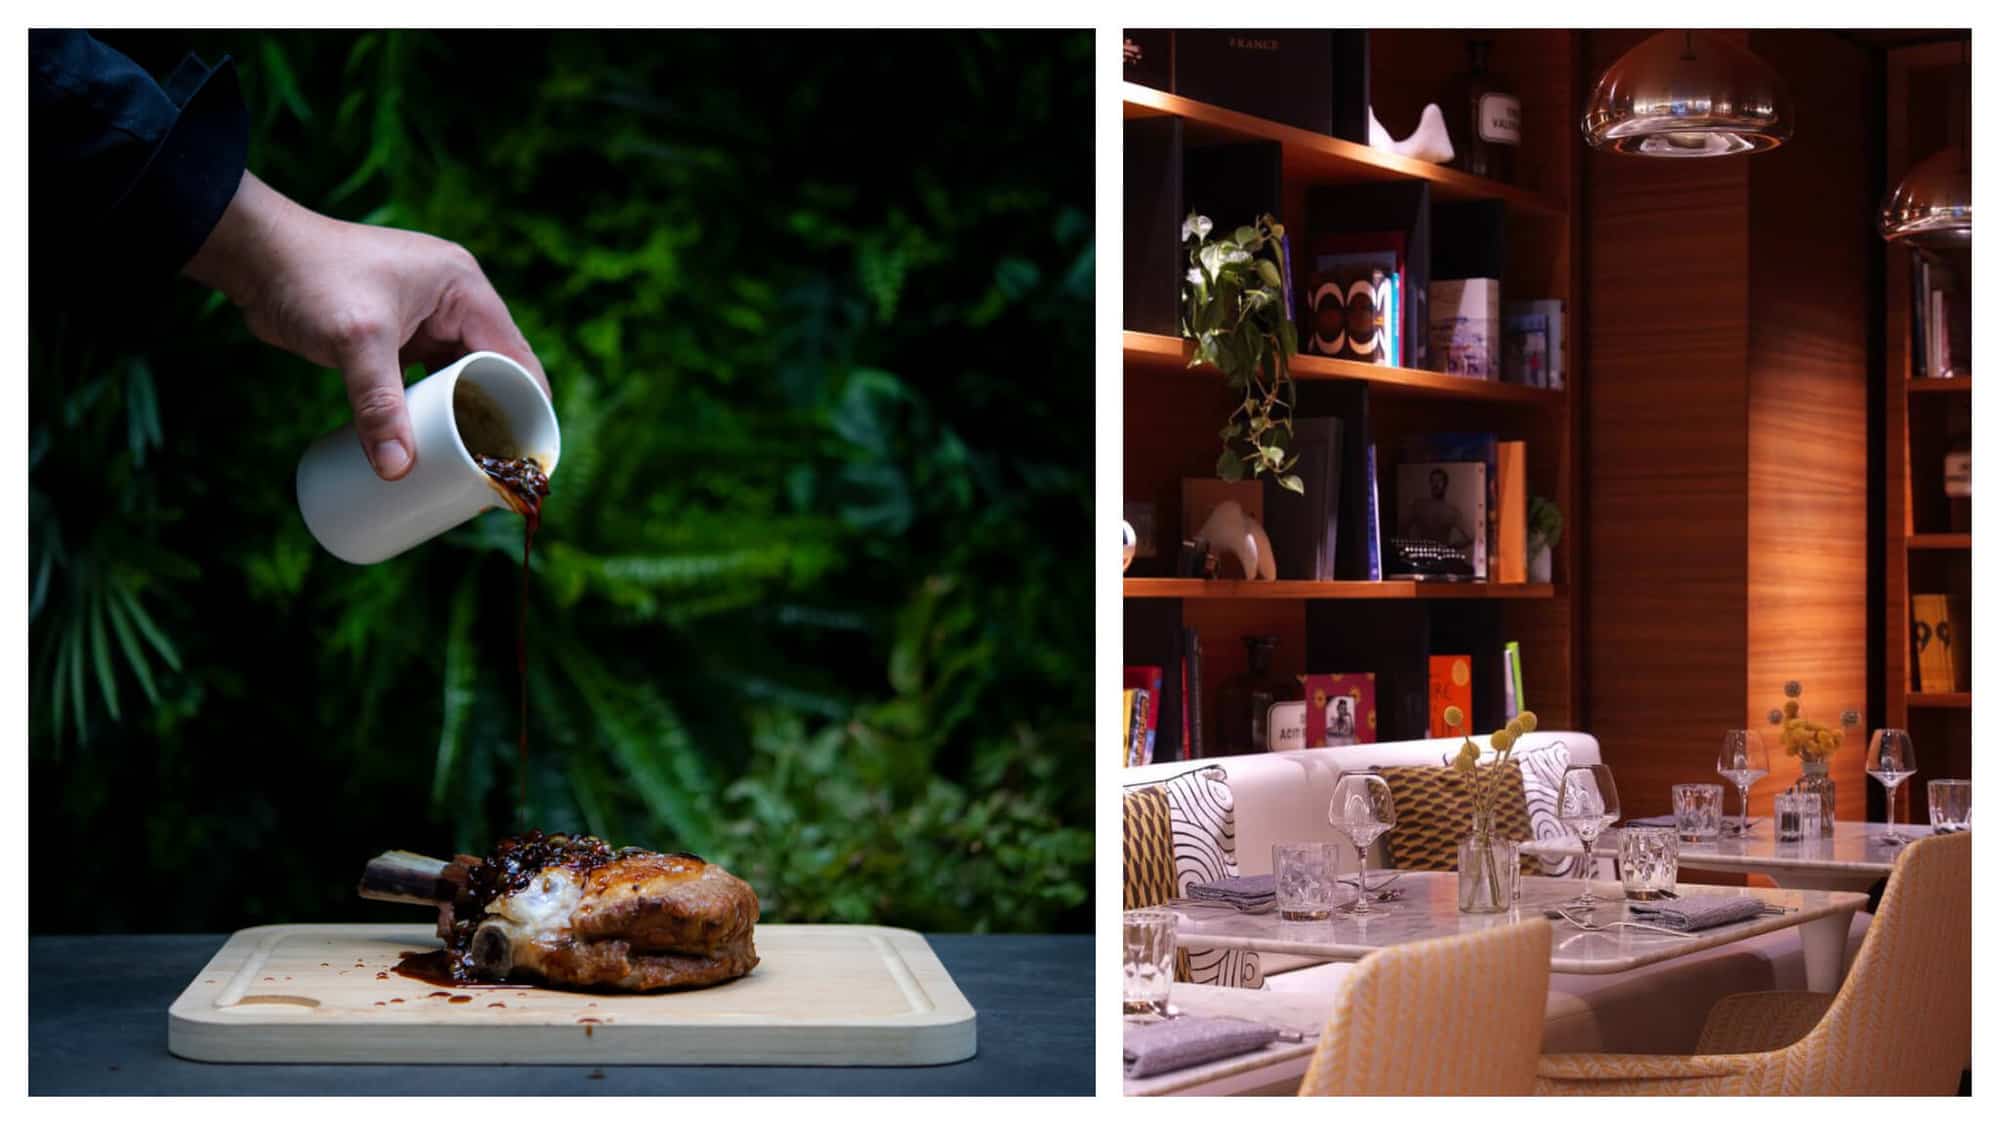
<point x="1245" y="701"/>
<point x="1489" y="870"/>
<point x="1818" y="782"/>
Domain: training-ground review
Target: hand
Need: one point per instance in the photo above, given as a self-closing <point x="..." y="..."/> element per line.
<point x="367" y="300"/>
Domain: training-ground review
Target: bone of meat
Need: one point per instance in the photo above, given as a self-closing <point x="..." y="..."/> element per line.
<point x="570" y="911"/>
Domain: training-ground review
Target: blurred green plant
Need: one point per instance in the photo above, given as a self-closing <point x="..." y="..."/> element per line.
<point x="812" y="595"/>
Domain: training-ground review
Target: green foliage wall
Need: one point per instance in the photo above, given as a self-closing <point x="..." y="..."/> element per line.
<point x="812" y="595"/>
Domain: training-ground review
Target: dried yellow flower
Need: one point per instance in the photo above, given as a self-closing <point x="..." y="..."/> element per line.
<point x="1503" y="740"/>
<point x="1791" y="708"/>
<point x="1453" y="716"/>
<point x="1527" y="720"/>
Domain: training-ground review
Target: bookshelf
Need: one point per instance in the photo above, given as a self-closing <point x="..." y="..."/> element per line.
<point x="1922" y="551"/>
<point x="1172" y="412"/>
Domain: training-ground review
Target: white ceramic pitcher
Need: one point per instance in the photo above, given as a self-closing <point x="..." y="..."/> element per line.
<point x="362" y="518"/>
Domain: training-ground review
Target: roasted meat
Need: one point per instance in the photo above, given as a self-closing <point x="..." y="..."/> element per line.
<point x="571" y="911"/>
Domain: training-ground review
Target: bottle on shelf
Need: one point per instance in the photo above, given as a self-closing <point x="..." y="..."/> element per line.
<point x="1245" y="700"/>
<point x="1484" y="118"/>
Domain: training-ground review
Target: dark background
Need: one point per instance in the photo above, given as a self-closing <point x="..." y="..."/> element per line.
<point x="812" y="595"/>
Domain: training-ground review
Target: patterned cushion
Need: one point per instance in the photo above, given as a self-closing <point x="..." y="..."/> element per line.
<point x="1149" y="851"/>
<point x="1434" y="812"/>
<point x="1203" y="813"/>
<point x="1541" y="779"/>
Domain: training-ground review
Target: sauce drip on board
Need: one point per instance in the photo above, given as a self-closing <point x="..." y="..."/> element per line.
<point x="521" y="482"/>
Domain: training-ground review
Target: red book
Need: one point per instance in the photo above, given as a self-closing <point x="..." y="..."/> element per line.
<point x="1451" y="686"/>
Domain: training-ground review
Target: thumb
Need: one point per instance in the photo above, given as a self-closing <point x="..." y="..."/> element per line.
<point x="381" y="418"/>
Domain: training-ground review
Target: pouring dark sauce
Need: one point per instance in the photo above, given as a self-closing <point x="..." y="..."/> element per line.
<point x="523" y="485"/>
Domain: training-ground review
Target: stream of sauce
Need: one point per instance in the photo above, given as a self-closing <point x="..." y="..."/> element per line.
<point x="523" y="485"/>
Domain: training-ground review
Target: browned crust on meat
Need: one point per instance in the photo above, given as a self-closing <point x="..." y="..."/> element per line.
<point x="666" y="904"/>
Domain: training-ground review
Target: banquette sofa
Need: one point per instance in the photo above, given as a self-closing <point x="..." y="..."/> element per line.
<point x="1239" y="806"/>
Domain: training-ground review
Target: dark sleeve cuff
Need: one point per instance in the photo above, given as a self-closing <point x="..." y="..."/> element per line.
<point x="192" y="175"/>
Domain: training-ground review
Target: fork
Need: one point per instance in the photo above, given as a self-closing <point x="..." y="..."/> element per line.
<point x="1590" y="927"/>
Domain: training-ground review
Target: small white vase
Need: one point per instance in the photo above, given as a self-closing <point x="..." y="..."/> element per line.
<point x="1540" y="567"/>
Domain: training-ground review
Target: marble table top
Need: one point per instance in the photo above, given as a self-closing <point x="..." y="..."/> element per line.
<point x="1853" y="849"/>
<point x="1280" y="1063"/>
<point x="1429" y="909"/>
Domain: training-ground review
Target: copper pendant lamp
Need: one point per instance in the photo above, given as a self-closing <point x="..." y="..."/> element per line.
<point x="1686" y="94"/>
<point x="1931" y="209"/>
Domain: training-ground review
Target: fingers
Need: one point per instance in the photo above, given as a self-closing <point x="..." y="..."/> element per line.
<point x="381" y="417"/>
<point x="488" y="327"/>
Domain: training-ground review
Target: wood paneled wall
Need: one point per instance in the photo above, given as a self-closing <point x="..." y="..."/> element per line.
<point x="1812" y="238"/>
<point x="1725" y="421"/>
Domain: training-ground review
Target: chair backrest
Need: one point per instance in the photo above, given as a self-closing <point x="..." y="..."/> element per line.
<point x="1902" y="1022"/>
<point x="1458" y="1015"/>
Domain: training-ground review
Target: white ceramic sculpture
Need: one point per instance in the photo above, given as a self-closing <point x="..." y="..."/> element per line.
<point x="1431" y="141"/>
<point x="1230" y="529"/>
<point x="1128" y="542"/>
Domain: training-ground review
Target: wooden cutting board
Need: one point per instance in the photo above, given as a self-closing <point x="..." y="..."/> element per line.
<point x="820" y="996"/>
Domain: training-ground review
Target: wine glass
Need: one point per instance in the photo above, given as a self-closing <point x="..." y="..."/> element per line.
<point x="1891" y="758"/>
<point x="1587" y="804"/>
<point x="1742" y="762"/>
<point x="1361" y="810"/>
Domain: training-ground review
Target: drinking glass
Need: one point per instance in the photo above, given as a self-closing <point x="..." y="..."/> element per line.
<point x="1698" y="811"/>
<point x="1587" y="804"/>
<point x="1306" y="879"/>
<point x="1951" y="805"/>
<point x="1891" y="759"/>
<point x="1149" y="960"/>
<point x="1742" y="762"/>
<point x="1796" y="815"/>
<point x="1361" y="810"/>
<point x="1649" y="861"/>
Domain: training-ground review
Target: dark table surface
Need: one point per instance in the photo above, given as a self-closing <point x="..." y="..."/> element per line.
<point x="97" y="1024"/>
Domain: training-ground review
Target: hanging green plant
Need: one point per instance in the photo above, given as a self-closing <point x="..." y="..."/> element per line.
<point x="1234" y="311"/>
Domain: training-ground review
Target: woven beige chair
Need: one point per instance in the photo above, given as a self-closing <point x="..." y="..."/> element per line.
<point x="1458" y="1015"/>
<point x="1900" y="1024"/>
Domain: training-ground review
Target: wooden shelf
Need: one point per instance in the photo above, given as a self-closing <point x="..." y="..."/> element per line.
<point x="1315" y="158"/>
<point x="1941" y="541"/>
<point x="1240" y="589"/>
<point x="1940" y="386"/>
<point x="1941" y="700"/>
<point x="1146" y="349"/>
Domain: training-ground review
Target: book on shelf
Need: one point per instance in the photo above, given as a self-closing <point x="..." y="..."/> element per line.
<point x="1133" y="750"/>
<point x="1373" y="213"/>
<point x="1151" y="679"/>
<point x="1510" y="562"/>
<point x="1483" y="448"/>
<point x="1465" y="326"/>
<point x="1516" y="693"/>
<point x="1940" y="321"/>
<point x="1352" y="287"/>
<point x="1373" y="528"/>
<point x="1339" y="709"/>
<point x="1443" y="502"/>
<point x="1534" y="343"/>
<point x="1305" y="527"/>
<point x="1937" y="634"/>
<point x="1450" y="686"/>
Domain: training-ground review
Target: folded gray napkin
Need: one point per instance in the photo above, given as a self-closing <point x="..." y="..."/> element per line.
<point x="1155" y="1048"/>
<point x="1697" y="912"/>
<point x="1237" y="890"/>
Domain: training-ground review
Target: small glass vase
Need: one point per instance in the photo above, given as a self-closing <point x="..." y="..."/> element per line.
<point x="1489" y="872"/>
<point x="1817" y="782"/>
